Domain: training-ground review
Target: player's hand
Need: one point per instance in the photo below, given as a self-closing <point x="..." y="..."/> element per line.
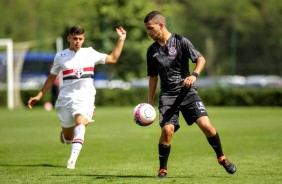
<point x="32" y="101"/>
<point x="121" y="33"/>
<point x="189" y="81"/>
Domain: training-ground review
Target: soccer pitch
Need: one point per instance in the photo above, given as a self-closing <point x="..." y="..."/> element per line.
<point x="118" y="151"/>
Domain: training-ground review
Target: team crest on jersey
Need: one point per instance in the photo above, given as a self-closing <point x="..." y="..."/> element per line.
<point x="172" y="50"/>
<point x="78" y="72"/>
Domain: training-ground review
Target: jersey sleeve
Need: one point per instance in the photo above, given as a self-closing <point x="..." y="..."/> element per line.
<point x="100" y="58"/>
<point x="188" y="47"/>
<point x="151" y="68"/>
<point x="56" y="68"/>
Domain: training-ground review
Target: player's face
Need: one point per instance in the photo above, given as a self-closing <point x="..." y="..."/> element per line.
<point x="76" y="41"/>
<point x="153" y="30"/>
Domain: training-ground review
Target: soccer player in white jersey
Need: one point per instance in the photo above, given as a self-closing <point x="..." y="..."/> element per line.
<point x="75" y="103"/>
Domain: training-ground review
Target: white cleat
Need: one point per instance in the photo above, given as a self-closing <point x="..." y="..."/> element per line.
<point x="71" y="165"/>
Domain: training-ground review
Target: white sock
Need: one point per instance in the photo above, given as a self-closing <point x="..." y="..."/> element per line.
<point x="77" y="142"/>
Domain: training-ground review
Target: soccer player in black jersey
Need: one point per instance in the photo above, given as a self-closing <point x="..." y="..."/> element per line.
<point x="168" y="58"/>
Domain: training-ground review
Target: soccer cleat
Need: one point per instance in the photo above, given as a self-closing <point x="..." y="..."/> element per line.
<point x="61" y="138"/>
<point x="162" y="173"/>
<point x="71" y="165"/>
<point x="228" y="166"/>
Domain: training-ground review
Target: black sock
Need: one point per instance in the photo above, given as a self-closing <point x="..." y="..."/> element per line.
<point x="164" y="151"/>
<point x="216" y="145"/>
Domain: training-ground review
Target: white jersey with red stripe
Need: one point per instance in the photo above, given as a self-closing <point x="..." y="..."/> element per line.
<point x="78" y="89"/>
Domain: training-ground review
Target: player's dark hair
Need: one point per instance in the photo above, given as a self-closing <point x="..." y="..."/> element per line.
<point x="156" y="16"/>
<point x="151" y="15"/>
<point x="76" y="30"/>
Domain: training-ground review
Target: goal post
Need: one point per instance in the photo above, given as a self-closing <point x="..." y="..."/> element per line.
<point x="8" y="43"/>
<point x="14" y="59"/>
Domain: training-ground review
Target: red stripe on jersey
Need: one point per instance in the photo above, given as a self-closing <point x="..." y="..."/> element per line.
<point x="87" y="69"/>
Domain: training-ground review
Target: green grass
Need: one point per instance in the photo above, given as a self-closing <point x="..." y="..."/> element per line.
<point x="118" y="151"/>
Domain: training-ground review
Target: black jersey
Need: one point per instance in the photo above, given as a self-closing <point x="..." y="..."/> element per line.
<point x="171" y="62"/>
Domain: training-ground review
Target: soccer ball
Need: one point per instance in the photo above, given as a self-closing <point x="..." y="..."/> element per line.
<point x="48" y="106"/>
<point x="144" y="114"/>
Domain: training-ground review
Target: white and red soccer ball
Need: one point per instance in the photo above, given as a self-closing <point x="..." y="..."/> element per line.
<point x="144" y="114"/>
<point x="48" y="106"/>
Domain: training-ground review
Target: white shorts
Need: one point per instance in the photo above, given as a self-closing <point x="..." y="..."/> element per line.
<point x="67" y="115"/>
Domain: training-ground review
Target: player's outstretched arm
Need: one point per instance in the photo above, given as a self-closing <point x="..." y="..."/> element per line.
<point x="47" y="85"/>
<point x="115" y="54"/>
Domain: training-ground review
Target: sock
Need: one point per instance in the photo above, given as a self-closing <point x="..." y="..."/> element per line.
<point x="77" y="142"/>
<point x="164" y="151"/>
<point x="216" y="145"/>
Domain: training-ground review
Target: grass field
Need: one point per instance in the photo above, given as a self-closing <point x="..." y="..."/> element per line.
<point x="118" y="151"/>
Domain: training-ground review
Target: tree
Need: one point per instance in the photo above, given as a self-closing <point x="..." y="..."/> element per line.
<point x="236" y="37"/>
<point x="243" y="35"/>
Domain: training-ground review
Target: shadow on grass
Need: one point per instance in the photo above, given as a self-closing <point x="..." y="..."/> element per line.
<point x="117" y="176"/>
<point x="100" y="176"/>
<point x="31" y="165"/>
<point x="111" y="176"/>
<point x="132" y="176"/>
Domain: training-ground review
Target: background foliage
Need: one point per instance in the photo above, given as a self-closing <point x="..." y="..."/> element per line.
<point x="237" y="37"/>
<point x="211" y="96"/>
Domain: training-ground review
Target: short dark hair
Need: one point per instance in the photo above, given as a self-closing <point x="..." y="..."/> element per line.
<point x="152" y="15"/>
<point x="76" y="30"/>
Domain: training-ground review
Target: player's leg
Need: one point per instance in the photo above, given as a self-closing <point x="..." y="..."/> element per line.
<point x="78" y="139"/>
<point x="67" y="123"/>
<point x="67" y="134"/>
<point x="211" y="134"/>
<point x="169" y="124"/>
<point x="73" y="130"/>
<point x="165" y="144"/>
<point x="195" y="111"/>
<point x="214" y="140"/>
<point x="164" y="148"/>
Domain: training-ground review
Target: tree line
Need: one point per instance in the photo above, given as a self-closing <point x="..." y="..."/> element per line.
<point x="240" y="37"/>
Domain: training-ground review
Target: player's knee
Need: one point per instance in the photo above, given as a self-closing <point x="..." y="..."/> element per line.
<point x="85" y="123"/>
<point x="208" y="130"/>
<point x="81" y="120"/>
<point x="168" y="130"/>
<point x="206" y="126"/>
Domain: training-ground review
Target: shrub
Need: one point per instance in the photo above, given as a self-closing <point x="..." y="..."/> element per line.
<point x="211" y="96"/>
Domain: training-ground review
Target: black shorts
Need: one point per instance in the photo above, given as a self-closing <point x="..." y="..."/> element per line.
<point x="188" y="102"/>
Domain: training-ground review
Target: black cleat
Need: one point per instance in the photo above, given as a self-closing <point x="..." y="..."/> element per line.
<point x="162" y="173"/>
<point x="228" y="166"/>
